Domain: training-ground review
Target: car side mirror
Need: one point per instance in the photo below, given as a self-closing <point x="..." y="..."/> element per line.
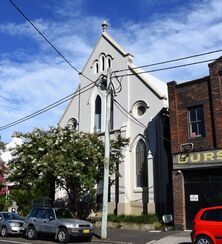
<point x="50" y="218"/>
<point x="0" y="218"/>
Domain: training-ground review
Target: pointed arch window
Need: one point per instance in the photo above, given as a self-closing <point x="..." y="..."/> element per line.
<point x="141" y="165"/>
<point x="103" y="63"/>
<point x="111" y="113"/>
<point x="109" y="62"/>
<point x="97" y="67"/>
<point x="98" y="116"/>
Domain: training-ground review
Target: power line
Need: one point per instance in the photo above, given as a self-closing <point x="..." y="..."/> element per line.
<point x="143" y="66"/>
<point x="173" y="60"/>
<point x="126" y="113"/>
<point x="166" y="68"/>
<point x="49" y="107"/>
<point x="137" y="121"/>
<point x="62" y="100"/>
<point x="73" y="67"/>
<point x="68" y="97"/>
<point x="49" y="42"/>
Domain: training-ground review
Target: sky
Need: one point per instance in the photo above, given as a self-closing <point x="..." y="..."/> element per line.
<point x="33" y="75"/>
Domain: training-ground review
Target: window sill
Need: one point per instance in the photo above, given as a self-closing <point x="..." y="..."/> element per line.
<point x="139" y="189"/>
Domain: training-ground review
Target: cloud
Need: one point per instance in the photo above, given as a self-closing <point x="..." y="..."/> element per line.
<point x="31" y="80"/>
<point x="194" y="30"/>
<point x="30" y="86"/>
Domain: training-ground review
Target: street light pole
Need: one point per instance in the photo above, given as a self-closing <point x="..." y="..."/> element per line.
<point x="107" y="155"/>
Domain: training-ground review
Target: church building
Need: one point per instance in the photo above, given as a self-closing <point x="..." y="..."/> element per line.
<point x="139" y="111"/>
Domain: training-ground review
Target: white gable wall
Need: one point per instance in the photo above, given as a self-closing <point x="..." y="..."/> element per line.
<point x="134" y="89"/>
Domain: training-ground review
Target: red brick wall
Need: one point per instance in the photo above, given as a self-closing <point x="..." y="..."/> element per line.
<point x="181" y="97"/>
<point x="206" y="91"/>
<point x="216" y="87"/>
<point x="178" y="201"/>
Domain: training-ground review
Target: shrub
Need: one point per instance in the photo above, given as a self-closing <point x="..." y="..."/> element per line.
<point x="142" y="219"/>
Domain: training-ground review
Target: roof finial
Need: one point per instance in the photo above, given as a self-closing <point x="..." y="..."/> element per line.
<point x="104" y="26"/>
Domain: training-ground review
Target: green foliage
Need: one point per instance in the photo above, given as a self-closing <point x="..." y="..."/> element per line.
<point x="63" y="157"/>
<point x="142" y="219"/>
<point x="4" y="203"/>
<point x="24" y="198"/>
<point x="2" y="145"/>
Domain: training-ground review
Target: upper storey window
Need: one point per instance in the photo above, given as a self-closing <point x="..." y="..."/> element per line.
<point x="111" y="114"/>
<point x="102" y="63"/>
<point x="98" y="115"/>
<point x="97" y="67"/>
<point x="109" y="61"/>
<point x="139" y="108"/>
<point x="196" y="121"/>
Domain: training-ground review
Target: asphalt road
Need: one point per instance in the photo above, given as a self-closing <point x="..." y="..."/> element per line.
<point x="116" y="236"/>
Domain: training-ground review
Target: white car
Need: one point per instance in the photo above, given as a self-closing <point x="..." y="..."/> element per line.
<point x="11" y="223"/>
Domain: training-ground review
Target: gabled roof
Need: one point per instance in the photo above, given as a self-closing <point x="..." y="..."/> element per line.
<point x="113" y="43"/>
<point x="158" y="86"/>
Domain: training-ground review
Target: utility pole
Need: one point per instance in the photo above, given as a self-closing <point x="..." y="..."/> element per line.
<point x="107" y="154"/>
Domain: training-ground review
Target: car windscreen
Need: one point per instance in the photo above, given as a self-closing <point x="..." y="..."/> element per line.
<point x="63" y="214"/>
<point x="9" y="216"/>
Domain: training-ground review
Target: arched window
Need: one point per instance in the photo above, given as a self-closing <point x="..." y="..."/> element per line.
<point x="141" y="165"/>
<point x="103" y="63"/>
<point x="98" y="114"/>
<point x="111" y="113"/>
<point x="109" y="62"/>
<point x="97" y="68"/>
<point x="72" y="123"/>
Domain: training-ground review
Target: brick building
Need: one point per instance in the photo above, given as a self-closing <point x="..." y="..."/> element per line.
<point x="196" y="144"/>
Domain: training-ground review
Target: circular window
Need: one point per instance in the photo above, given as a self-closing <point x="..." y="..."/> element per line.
<point x="139" y="108"/>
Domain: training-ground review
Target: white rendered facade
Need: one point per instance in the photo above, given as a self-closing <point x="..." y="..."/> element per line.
<point x="144" y="97"/>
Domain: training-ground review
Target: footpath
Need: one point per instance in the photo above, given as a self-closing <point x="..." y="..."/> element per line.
<point x="124" y="236"/>
<point x="182" y="237"/>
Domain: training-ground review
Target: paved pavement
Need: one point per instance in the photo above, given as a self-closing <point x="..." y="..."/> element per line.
<point x="116" y="236"/>
<point x="182" y="237"/>
<point x="120" y="236"/>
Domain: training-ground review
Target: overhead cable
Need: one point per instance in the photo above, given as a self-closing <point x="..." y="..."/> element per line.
<point x="166" y="68"/>
<point x="49" y="42"/>
<point x="137" y="121"/>
<point x="173" y="60"/>
<point x="51" y="106"/>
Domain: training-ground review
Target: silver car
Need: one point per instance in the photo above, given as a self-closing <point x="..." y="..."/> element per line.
<point x="58" y="222"/>
<point x="11" y="223"/>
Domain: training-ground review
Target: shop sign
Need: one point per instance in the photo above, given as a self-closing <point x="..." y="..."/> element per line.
<point x="194" y="198"/>
<point x="202" y="157"/>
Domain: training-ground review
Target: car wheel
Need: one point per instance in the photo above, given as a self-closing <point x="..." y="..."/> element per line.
<point x="203" y="240"/>
<point x="63" y="236"/>
<point x="31" y="233"/>
<point x="88" y="239"/>
<point x="4" y="231"/>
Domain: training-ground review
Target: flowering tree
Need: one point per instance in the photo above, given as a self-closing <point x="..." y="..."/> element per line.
<point x="63" y="157"/>
<point x="3" y="171"/>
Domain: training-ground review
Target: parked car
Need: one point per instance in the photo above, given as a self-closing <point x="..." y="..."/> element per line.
<point x="207" y="226"/>
<point x="58" y="222"/>
<point x="11" y="223"/>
